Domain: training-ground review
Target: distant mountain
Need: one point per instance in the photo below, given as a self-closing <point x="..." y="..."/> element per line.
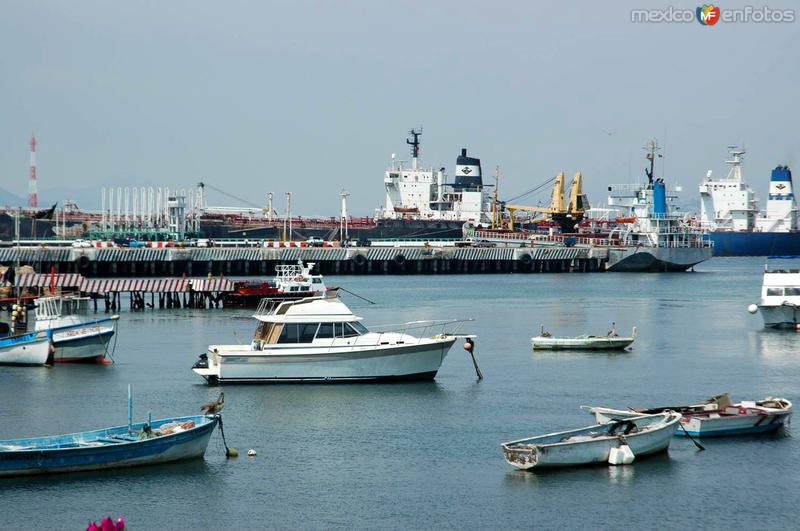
<point x="7" y="199"/>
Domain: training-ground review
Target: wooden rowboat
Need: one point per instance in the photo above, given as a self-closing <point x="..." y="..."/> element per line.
<point x="545" y="341"/>
<point x="716" y="417"/>
<point x="160" y="441"/>
<point x="642" y="435"/>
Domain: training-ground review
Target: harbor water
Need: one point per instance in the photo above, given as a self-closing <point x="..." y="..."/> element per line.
<point x="427" y="455"/>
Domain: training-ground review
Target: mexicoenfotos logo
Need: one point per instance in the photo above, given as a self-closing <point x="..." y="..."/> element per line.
<point x="707" y="15"/>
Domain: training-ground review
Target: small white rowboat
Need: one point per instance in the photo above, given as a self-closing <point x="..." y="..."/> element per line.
<point x="544" y="341"/>
<point x="602" y="443"/>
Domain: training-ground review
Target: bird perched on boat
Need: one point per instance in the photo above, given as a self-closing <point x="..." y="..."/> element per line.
<point x="212" y="408"/>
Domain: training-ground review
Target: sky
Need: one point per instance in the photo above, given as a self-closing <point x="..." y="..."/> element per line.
<point x="312" y="97"/>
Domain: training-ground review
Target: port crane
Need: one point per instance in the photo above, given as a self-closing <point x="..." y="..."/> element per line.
<point x="565" y="213"/>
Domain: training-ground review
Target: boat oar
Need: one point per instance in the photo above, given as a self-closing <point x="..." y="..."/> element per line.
<point x="699" y="446"/>
<point x="354" y="295"/>
<point x="469" y="346"/>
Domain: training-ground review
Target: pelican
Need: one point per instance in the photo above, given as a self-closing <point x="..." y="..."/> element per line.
<point x="212" y="408"/>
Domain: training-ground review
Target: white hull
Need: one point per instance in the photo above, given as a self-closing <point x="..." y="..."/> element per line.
<point x="591" y="343"/>
<point x="559" y="449"/>
<point x="26" y="353"/>
<point x="306" y="363"/>
<point x="82" y="344"/>
<point x="782" y="316"/>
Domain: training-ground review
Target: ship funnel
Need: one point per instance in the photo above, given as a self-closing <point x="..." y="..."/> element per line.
<point x="781" y="206"/>
<point x="468" y="171"/>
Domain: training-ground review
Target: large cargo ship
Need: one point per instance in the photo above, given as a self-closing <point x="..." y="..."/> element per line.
<point x="729" y="212"/>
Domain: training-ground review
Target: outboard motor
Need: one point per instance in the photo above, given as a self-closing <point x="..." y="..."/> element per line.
<point x="468" y="171"/>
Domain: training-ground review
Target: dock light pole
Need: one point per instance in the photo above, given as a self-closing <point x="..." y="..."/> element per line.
<point x="288" y="216"/>
<point x="343" y="222"/>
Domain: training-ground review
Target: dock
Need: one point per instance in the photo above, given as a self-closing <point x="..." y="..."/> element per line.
<point x="260" y="261"/>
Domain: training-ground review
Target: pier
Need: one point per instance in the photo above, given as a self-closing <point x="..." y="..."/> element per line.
<point x="259" y="261"/>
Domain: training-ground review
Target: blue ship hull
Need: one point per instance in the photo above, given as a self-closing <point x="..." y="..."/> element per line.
<point x="755" y="243"/>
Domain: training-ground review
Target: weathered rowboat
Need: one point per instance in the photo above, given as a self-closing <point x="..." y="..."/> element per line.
<point x="716" y="417"/>
<point x="545" y="341"/>
<point x="643" y="435"/>
<point x="160" y="441"/>
<point x="32" y="348"/>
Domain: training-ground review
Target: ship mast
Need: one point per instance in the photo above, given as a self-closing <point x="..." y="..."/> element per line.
<point x="652" y="152"/>
<point x="414" y="143"/>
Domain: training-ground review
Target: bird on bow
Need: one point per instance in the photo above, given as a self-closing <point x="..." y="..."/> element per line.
<point x="212" y="408"/>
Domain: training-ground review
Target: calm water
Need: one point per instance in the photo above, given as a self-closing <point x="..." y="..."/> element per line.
<point x="426" y="455"/>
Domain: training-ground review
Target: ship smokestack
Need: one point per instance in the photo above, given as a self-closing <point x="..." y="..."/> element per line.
<point x="468" y="171"/>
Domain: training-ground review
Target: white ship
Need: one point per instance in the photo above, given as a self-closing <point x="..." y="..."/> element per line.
<point x="414" y="193"/>
<point x="651" y="237"/>
<point x="729" y="211"/>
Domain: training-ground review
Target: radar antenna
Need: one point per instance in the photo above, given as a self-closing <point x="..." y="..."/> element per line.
<point x="652" y="152"/>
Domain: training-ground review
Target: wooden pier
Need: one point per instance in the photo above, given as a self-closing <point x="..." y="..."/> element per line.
<point x="256" y="261"/>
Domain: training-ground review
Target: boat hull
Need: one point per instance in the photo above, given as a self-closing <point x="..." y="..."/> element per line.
<point x="592" y="451"/>
<point x="28" y="349"/>
<point x="595" y="343"/>
<point x="714" y="426"/>
<point x="655" y="259"/>
<point x="729" y="243"/>
<point x="351" y="363"/>
<point x="165" y="449"/>
<point x="82" y="344"/>
<point x="782" y="316"/>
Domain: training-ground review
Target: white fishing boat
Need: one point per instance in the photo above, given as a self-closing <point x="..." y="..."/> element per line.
<point x="320" y="339"/>
<point x="715" y="417"/>
<point x="31" y="348"/>
<point x="780" y="298"/>
<point x="610" y="341"/>
<point x="616" y="443"/>
<point x="77" y="336"/>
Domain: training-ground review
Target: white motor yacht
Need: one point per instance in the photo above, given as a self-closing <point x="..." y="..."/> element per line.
<point x="320" y="339"/>
<point x="780" y="298"/>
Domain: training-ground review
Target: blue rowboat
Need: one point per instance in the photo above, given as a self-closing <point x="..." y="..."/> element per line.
<point x="160" y="441"/>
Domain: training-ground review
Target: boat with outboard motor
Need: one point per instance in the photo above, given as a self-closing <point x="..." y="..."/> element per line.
<point x="77" y="336"/>
<point x="320" y="339"/>
<point x="616" y="443"/>
<point x="610" y="341"/>
<point x="715" y="417"/>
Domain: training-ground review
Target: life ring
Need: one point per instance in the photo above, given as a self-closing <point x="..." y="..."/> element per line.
<point x="526" y="259"/>
<point x="359" y="260"/>
<point x="399" y="259"/>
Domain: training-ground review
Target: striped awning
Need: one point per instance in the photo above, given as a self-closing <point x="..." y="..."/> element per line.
<point x="43" y="280"/>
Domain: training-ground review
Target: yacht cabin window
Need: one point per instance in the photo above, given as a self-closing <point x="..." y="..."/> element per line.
<point x="307" y="332"/>
<point x="774" y="291"/>
<point x="791" y="292"/>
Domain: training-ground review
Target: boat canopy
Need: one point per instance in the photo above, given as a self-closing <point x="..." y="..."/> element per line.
<point x="310" y="310"/>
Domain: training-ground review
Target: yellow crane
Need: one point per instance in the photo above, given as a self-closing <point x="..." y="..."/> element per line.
<point x="566" y="214"/>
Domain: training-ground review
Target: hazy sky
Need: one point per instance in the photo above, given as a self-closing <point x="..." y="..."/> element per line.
<point x="313" y="97"/>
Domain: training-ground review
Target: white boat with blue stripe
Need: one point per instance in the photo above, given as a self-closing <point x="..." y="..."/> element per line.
<point x="31" y="348"/>
<point x="145" y="443"/>
<point x="77" y="336"/>
<point x="320" y="339"/>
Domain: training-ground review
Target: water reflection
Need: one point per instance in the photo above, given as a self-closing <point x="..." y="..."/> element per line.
<point x="776" y="347"/>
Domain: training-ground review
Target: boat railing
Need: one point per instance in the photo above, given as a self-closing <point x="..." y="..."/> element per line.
<point x="425" y="328"/>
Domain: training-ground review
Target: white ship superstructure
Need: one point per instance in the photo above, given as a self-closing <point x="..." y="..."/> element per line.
<point x="730" y="204"/>
<point x="780" y="298"/>
<point x="417" y="193"/>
